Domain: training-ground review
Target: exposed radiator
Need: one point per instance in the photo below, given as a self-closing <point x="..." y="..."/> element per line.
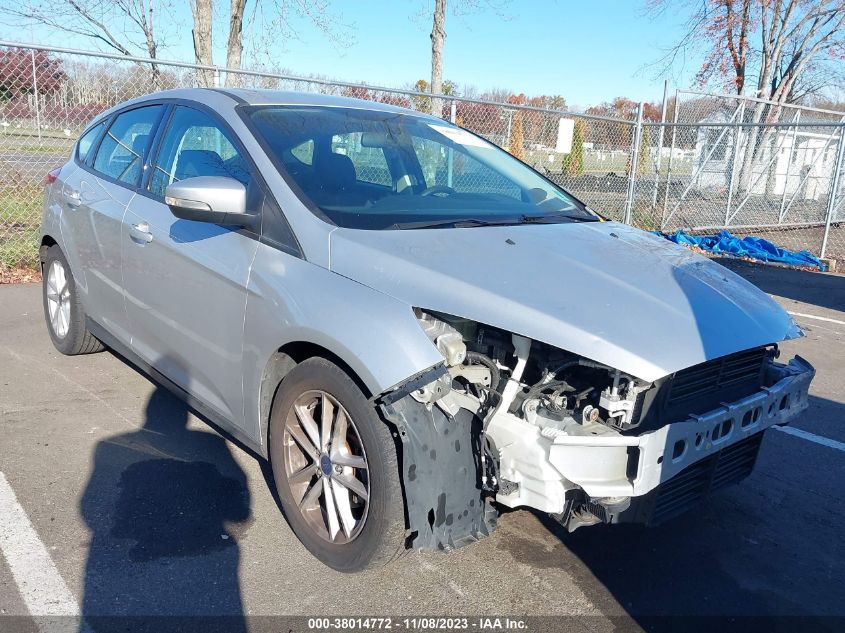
<point x="717" y="375"/>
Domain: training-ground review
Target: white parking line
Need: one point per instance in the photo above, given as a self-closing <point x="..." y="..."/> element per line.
<point x="42" y="589"/>
<point x="818" y="318"/>
<point x="812" y="437"/>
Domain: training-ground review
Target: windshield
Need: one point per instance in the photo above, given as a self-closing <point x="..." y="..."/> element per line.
<point x="366" y="169"/>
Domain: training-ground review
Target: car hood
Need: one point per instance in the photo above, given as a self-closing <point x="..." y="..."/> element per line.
<point x="605" y="291"/>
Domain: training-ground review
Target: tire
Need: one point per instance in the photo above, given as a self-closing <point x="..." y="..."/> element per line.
<point x="369" y="533"/>
<point x="63" y="310"/>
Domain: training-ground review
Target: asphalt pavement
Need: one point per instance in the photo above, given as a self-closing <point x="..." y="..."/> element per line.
<point x="118" y="500"/>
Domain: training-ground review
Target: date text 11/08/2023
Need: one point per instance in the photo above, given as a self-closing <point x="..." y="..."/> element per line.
<point x="419" y="623"/>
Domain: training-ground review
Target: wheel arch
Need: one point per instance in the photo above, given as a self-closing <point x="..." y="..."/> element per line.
<point x="281" y="362"/>
<point x="47" y="241"/>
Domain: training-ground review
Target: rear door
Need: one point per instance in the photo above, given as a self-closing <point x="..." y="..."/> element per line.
<point x="95" y="198"/>
<point x="186" y="281"/>
<point x="76" y="226"/>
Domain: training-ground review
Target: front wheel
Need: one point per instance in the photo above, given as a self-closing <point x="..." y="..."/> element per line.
<point x="335" y="468"/>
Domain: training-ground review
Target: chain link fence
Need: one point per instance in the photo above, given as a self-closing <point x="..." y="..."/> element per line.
<point x="749" y="166"/>
<point x="716" y="162"/>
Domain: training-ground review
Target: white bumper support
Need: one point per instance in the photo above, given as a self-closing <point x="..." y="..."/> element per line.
<point x="605" y="463"/>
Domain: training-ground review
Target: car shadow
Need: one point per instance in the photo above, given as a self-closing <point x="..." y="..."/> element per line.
<point x="765" y="554"/>
<point x="186" y="231"/>
<point x="750" y="557"/>
<point x="671" y="578"/>
<point x="166" y="506"/>
<point x="826" y="290"/>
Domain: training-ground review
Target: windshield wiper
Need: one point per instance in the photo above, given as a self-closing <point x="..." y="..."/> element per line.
<point x="543" y="219"/>
<point x="506" y="221"/>
<point x="456" y="223"/>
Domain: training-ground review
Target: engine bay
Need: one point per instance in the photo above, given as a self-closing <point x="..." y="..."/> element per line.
<point x="527" y="424"/>
<point x="491" y="371"/>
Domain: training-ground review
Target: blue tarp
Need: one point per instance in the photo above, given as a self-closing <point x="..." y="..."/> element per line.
<point x="725" y="243"/>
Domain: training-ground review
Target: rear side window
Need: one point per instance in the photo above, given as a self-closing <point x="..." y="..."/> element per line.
<point x="121" y="152"/>
<point x="195" y="145"/>
<point x="83" y="147"/>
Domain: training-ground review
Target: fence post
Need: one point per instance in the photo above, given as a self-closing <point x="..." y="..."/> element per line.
<point x="659" y="161"/>
<point x="450" y="156"/>
<point x="669" y="162"/>
<point x="734" y="160"/>
<point x="792" y="151"/>
<point x="35" y="93"/>
<point x="834" y="189"/>
<point x="509" y="112"/>
<point x="632" y="172"/>
<point x="216" y="77"/>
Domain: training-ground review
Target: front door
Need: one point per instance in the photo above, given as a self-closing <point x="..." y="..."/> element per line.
<point x="186" y="281"/>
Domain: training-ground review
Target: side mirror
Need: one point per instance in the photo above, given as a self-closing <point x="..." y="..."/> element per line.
<point x="214" y="199"/>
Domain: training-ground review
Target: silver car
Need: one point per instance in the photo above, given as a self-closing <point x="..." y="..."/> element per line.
<point x="414" y="328"/>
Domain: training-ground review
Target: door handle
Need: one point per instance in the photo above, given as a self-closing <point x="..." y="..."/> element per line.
<point x="73" y="198"/>
<point x="140" y="233"/>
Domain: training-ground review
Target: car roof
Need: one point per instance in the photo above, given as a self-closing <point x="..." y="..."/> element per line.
<point x="222" y="98"/>
<point x="274" y="97"/>
<point x="288" y="97"/>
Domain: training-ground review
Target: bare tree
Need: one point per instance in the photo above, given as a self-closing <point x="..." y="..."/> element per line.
<point x="201" y="11"/>
<point x="778" y="44"/>
<point x="128" y="27"/>
<point x="789" y="49"/>
<point x="438" y="38"/>
<point x="235" y="43"/>
<point x="275" y="20"/>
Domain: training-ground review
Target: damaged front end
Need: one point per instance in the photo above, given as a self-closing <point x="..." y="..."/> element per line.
<point x="521" y="423"/>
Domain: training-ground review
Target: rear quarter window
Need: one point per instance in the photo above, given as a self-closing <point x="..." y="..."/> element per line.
<point x="86" y="141"/>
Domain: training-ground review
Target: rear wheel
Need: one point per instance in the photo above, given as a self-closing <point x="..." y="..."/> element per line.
<point x="335" y="467"/>
<point x="62" y="309"/>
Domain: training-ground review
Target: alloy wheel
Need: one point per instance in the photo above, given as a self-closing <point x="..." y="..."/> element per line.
<point x="58" y="298"/>
<point x="326" y="467"/>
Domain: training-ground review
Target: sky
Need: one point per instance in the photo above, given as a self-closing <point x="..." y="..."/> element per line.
<point x="587" y="51"/>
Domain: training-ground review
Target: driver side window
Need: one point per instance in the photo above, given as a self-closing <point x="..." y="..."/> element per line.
<point x="195" y="145"/>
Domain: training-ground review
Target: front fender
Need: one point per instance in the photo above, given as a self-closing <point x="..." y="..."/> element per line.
<point x="290" y="301"/>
